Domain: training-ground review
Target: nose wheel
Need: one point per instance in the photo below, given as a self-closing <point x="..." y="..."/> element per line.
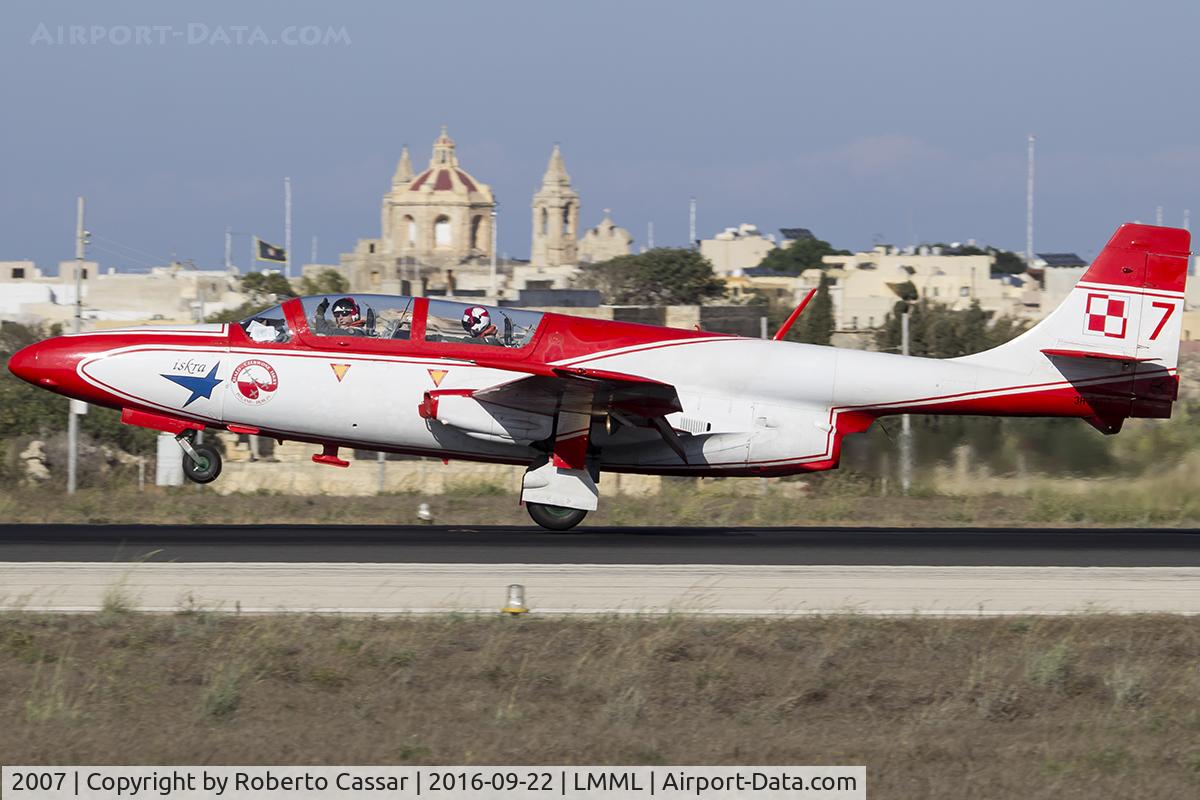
<point x="201" y="462"/>
<point x="556" y="518"/>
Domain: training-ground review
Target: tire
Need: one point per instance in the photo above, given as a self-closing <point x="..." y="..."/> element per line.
<point x="555" y="518"/>
<point x="209" y="467"/>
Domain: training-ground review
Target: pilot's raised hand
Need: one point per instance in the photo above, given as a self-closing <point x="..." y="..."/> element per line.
<point x="323" y="306"/>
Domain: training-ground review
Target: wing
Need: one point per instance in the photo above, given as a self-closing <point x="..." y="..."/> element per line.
<point x="577" y="389"/>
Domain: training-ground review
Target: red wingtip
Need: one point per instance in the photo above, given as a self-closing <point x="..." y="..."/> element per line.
<point x="1143" y="255"/>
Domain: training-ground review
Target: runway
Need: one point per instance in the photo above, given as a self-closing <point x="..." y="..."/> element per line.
<point x="407" y="544"/>
<point x="725" y="571"/>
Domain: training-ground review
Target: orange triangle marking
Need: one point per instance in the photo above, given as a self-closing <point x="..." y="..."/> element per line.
<point x="340" y="370"/>
<point x="437" y="375"/>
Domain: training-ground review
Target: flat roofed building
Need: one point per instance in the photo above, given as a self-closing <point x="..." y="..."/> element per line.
<point x="868" y="285"/>
<point x="736" y="249"/>
<point x="13" y="271"/>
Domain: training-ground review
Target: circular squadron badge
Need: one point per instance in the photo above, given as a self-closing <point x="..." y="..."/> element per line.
<point x="254" y="382"/>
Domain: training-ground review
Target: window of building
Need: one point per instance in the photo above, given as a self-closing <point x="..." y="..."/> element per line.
<point x="18" y="273"/>
<point x="410" y="229"/>
<point x="370" y="248"/>
<point x="476" y="223"/>
<point x="854" y="323"/>
<point x="370" y="315"/>
<point x="964" y="291"/>
<point x="441" y="232"/>
<point x="83" y="273"/>
<point x="460" y="323"/>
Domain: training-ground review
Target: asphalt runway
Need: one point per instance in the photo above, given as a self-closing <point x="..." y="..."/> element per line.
<point x="407" y="544"/>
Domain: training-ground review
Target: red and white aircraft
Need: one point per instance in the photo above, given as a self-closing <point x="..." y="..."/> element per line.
<point x="571" y="398"/>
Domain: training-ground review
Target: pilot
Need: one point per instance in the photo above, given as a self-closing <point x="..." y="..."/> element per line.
<point x="346" y="315"/>
<point x="347" y="319"/>
<point x="478" y="324"/>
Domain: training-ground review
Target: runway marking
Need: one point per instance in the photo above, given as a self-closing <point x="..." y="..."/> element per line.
<point x="602" y="588"/>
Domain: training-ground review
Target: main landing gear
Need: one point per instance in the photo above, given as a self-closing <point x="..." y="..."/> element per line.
<point x="556" y="518"/>
<point x="201" y="462"/>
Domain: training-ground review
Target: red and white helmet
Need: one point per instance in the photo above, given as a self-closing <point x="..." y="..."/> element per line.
<point x="476" y="320"/>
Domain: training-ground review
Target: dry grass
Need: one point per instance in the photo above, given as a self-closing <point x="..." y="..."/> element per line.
<point x="679" y="504"/>
<point x="1051" y="707"/>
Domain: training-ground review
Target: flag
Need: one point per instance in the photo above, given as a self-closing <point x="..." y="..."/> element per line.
<point x="269" y="252"/>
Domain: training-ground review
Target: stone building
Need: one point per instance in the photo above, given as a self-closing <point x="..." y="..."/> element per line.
<point x="604" y="241"/>
<point x="864" y="289"/>
<point x="436" y="234"/>
<point x="173" y="293"/>
<point x="555" y="217"/>
<point x="440" y="218"/>
<point x="736" y="249"/>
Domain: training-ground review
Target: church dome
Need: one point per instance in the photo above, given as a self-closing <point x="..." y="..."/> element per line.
<point x="441" y="216"/>
<point x="444" y="173"/>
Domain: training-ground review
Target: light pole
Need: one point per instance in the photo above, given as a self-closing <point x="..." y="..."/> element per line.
<point x="76" y="407"/>
<point x="905" y="420"/>
<point x="495" y="287"/>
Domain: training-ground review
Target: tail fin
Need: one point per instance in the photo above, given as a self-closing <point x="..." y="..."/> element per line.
<point x="1122" y="319"/>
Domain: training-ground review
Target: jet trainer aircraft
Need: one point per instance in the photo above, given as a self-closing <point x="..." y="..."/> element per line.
<point x="570" y="398"/>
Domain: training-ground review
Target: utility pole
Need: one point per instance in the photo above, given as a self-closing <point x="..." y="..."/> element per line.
<point x="313" y="254"/>
<point x="495" y="288"/>
<point x="1029" y="205"/>
<point x="650" y="236"/>
<point x="287" y="227"/>
<point x="74" y="406"/>
<point x="692" y="224"/>
<point x="905" y="420"/>
<point x="228" y="249"/>
<point x="1158" y="215"/>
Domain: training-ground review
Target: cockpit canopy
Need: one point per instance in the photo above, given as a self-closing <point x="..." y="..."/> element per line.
<point x="379" y="316"/>
<point x="268" y="326"/>
<point x="475" y="324"/>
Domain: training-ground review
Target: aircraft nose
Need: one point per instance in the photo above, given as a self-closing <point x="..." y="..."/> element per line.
<point x="44" y="363"/>
<point x="24" y="363"/>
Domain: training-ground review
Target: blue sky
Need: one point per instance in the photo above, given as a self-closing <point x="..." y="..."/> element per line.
<point x="863" y="121"/>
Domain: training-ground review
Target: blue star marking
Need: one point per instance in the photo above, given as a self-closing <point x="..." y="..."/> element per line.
<point x="198" y="386"/>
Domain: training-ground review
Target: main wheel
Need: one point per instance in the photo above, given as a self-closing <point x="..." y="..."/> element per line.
<point x="556" y="518"/>
<point x="207" y="468"/>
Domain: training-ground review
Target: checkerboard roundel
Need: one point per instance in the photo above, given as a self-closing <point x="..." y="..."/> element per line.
<point x="1107" y="315"/>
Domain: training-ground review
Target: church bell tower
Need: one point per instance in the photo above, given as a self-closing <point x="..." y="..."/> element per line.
<point x="555" y="217"/>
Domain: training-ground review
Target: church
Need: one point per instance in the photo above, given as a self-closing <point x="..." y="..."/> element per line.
<point x="437" y="231"/>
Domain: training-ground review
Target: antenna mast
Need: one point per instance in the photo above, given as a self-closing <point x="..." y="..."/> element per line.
<point x="692" y="224"/>
<point x="1029" y="205"/>
<point x="287" y="227"/>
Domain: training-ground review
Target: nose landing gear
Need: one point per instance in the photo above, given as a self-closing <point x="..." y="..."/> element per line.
<point x="201" y="462"/>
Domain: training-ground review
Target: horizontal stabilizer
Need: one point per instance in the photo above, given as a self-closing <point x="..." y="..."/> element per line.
<point x="1056" y="353"/>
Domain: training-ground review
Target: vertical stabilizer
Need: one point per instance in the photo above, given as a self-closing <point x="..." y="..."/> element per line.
<point x="1116" y="336"/>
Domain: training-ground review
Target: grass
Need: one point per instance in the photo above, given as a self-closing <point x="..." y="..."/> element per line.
<point x="1073" y="707"/>
<point x="1171" y="501"/>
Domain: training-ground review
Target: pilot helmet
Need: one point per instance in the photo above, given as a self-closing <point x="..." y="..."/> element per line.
<point x="476" y="320"/>
<point x="345" y="312"/>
